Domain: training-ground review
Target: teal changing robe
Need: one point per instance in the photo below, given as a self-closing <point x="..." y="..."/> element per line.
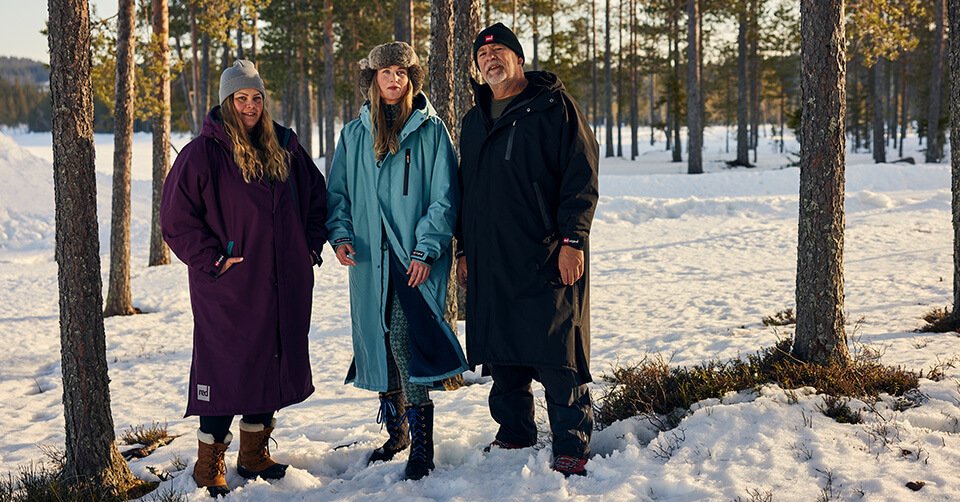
<point x="405" y="204"/>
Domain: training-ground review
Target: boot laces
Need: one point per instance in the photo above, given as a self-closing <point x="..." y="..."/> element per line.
<point x="218" y="467"/>
<point x="418" y="435"/>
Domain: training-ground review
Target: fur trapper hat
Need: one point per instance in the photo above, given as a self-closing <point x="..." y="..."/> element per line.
<point x="389" y="54"/>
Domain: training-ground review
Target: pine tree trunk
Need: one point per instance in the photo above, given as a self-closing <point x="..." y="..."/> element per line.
<point x="754" y="75"/>
<point x="90" y="452"/>
<point x="535" y="21"/>
<point x="595" y="109"/>
<point x="651" y="89"/>
<point x="953" y="9"/>
<point x="633" y="91"/>
<point x="254" y="32"/>
<point x="305" y="134"/>
<point x="904" y="104"/>
<point x="879" y="141"/>
<point x="205" y="73"/>
<point x="620" y="79"/>
<point x="820" y="333"/>
<point x="694" y="119"/>
<point x="329" y="103"/>
<point x="608" y="87"/>
<point x="119" y="297"/>
<point x="934" y="148"/>
<point x="442" y="98"/>
<point x="159" y="252"/>
<point x="318" y="96"/>
<point x="187" y="97"/>
<point x="198" y="109"/>
<point x="675" y="92"/>
<point x="743" y="141"/>
<point x="467" y="24"/>
<point x="403" y="21"/>
<point x="239" y="32"/>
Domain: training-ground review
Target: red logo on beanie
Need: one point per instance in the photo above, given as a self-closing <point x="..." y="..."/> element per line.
<point x="487" y="39"/>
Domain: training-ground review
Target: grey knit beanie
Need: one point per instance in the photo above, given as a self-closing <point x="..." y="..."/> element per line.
<point x="242" y="75"/>
<point x="389" y="54"/>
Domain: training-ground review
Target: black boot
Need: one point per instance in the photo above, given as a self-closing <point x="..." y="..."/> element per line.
<point x="392" y="406"/>
<point x="421" y="445"/>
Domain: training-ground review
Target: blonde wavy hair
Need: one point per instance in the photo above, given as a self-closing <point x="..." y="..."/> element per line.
<point x="258" y="154"/>
<point x="388" y="138"/>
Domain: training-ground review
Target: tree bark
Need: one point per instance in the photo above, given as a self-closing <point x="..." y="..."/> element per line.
<point x="442" y="98"/>
<point x="198" y="109"/>
<point x="595" y="109"/>
<point x="467" y="25"/>
<point x="694" y="119"/>
<point x="90" y="452"/>
<point x="953" y="10"/>
<point x="820" y="332"/>
<point x="633" y="91"/>
<point x="934" y="148"/>
<point x="204" y="89"/>
<point x="159" y="252"/>
<point x="904" y="120"/>
<point x="675" y="92"/>
<point x="743" y="141"/>
<point x="328" y="97"/>
<point x="608" y="85"/>
<point x="119" y="297"/>
<point x="879" y="141"/>
<point x="403" y="21"/>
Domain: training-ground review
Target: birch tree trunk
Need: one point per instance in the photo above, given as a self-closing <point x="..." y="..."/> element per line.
<point x="820" y="333"/>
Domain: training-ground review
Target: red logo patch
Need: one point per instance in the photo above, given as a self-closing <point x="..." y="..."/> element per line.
<point x="487" y="39"/>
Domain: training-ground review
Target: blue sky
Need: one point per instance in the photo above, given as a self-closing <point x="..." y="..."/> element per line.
<point x="22" y="20"/>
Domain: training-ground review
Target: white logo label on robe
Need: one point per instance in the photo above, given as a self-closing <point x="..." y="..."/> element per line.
<point x="203" y="393"/>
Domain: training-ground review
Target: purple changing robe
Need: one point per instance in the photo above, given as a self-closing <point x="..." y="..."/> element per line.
<point x="251" y="323"/>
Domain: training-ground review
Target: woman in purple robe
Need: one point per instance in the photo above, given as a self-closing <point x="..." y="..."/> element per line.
<point x="244" y="207"/>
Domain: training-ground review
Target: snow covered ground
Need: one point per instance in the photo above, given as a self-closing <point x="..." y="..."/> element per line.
<point x="682" y="266"/>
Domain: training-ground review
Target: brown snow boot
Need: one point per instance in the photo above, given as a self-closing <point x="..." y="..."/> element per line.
<point x="254" y="459"/>
<point x="210" y="468"/>
<point x="392" y="407"/>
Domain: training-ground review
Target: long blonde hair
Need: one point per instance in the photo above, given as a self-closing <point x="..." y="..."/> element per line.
<point x="258" y="154"/>
<point x="388" y="138"/>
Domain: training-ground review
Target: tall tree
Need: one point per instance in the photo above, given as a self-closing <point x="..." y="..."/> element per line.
<point x="159" y="252"/>
<point x="694" y="106"/>
<point x="328" y="77"/>
<point x="743" y="139"/>
<point x="403" y="16"/>
<point x="820" y="332"/>
<point x="608" y="85"/>
<point x="119" y="297"/>
<point x="934" y="148"/>
<point x="91" y="454"/>
<point x="467" y="24"/>
<point x="442" y="97"/>
<point x="953" y="9"/>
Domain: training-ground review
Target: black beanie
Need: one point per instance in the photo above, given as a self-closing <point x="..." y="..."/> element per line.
<point x="497" y="34"/>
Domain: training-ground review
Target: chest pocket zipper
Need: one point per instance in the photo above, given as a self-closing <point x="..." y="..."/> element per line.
<point x="513" y="129"/>
<point x="406" y="173"/>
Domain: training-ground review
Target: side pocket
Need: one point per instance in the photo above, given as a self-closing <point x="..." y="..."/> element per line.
<point x="513" y="130"/>
<point x="547" y="224"/>
<point x="406" y="173"/>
